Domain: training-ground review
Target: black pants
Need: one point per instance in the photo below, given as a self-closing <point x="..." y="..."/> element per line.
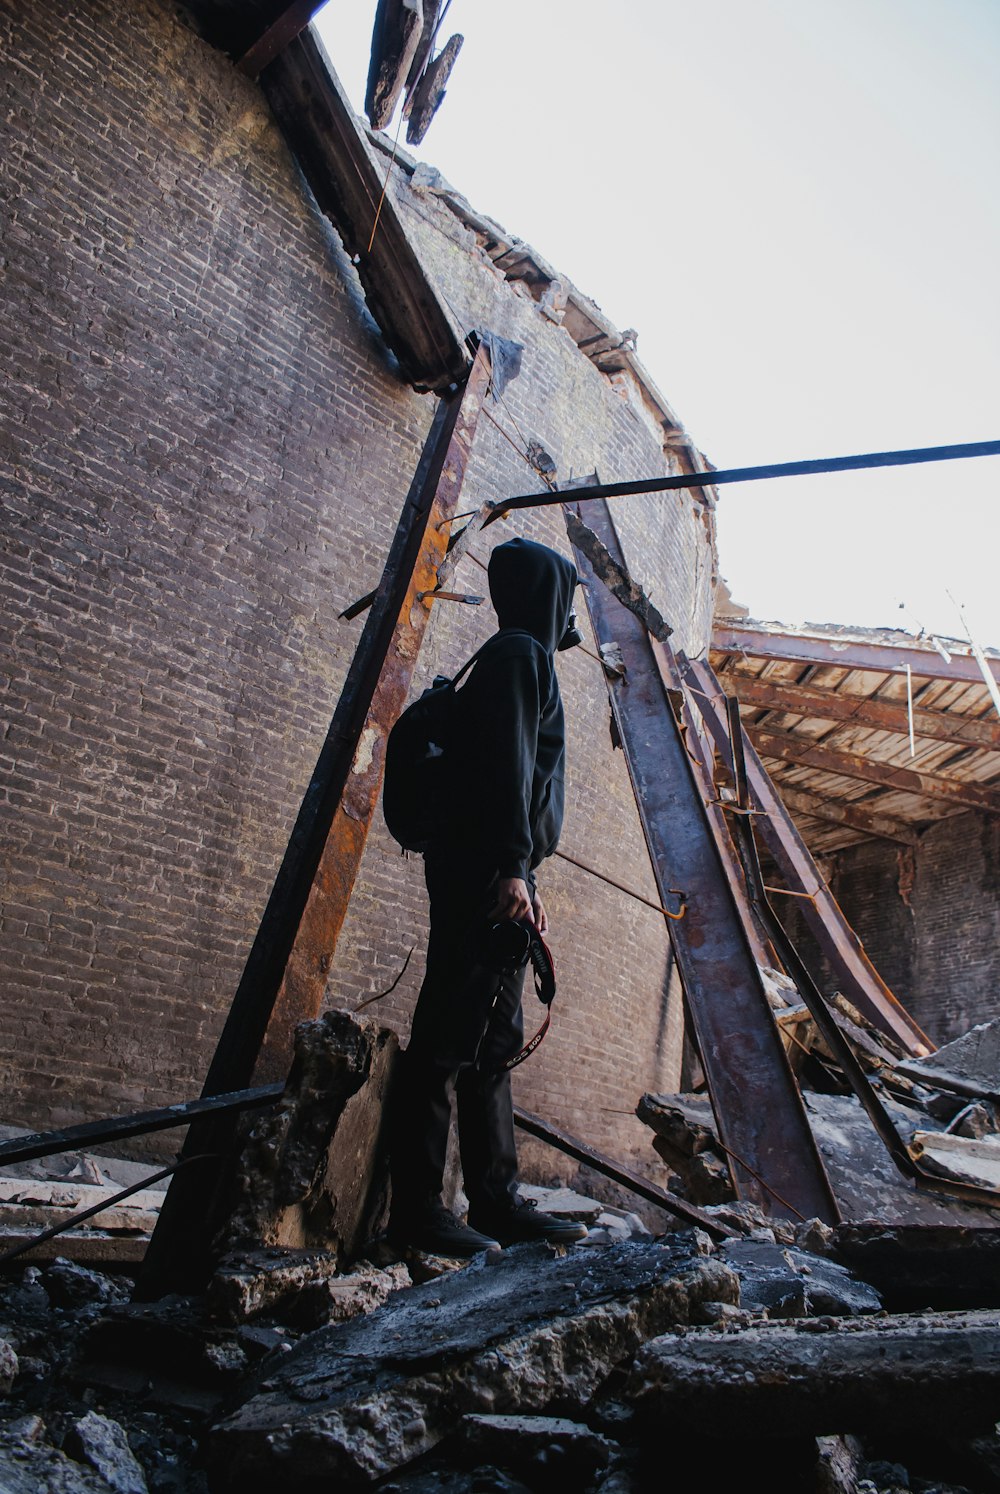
<point x="466" y="1024"/>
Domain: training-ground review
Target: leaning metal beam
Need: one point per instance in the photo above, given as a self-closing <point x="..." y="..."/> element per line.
<point x="854" y="973"/>
<point x="286" y="973"/>
<point x="848" y="653"/>
<point x="320" y="126"/>
<point x="756" y="474"/>
<point x="758" y="1108"/>
<point x="804" y="752"/>
<point x="121" y="1127"/>
<point x="624" y="1176"/>
<point x="864" y="710"/>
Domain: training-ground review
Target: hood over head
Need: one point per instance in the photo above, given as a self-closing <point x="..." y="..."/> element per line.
<point x="532" y="587"/>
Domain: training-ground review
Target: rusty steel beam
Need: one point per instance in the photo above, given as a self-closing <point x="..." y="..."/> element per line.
<point x="758" y="1108"/>
<point x="280" y="33"/>
<point x="854" y="973"/>
<point x="286" y="973"/>
<point x="320" y="126"/>
<point x="849" y="653"/>
<point x="860" y="710"/>
<point x="851" y="816"/>
<point x="789" y="748"/>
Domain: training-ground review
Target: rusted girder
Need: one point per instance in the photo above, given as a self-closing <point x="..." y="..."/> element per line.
<point x="756" y="1101"/>
<point x="848" y="653"/>
<point x="860" y="710"/>
<point x="287" y="970"/>
<point x="806" y="753"/>
<point x="855" y="975"/>
<point x="320" y="126"/>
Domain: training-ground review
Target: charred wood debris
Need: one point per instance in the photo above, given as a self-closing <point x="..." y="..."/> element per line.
<point x="861" y="1357"/>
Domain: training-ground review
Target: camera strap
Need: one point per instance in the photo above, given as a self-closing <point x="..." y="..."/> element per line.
<point x="539" y="956"/>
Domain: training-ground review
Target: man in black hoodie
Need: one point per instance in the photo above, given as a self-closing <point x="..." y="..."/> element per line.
<point x="506" y="773"/>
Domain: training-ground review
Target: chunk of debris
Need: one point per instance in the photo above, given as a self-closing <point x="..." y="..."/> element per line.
<point x="8" y="1366"/>
<point x="782" y="1282"/>
<point x="356" y="1401"/>
<point x="300" y="1287"/>
<point x="313" y="1169"/>
<point x="534" y="1447"/>
<point x="71" y="1285"/>
<point x="960" y="1157"/>
<point x="921" y="1266"/>
<point x="102" y="1444"/>
<point x="970" y="1064"/>
<point x="870" y="1374"/>
<point x="688" y="1145"/>
<point x="29" y="1465"/>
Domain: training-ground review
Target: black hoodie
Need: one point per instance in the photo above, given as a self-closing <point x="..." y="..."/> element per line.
<point x="509" y="725"/>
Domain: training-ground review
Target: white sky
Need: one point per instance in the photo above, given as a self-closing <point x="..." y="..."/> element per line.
<point x="795" y="202"/>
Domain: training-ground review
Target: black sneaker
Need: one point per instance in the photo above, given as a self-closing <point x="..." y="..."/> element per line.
<point x="524" y="1220"/>
<point x="436" y="1231"/>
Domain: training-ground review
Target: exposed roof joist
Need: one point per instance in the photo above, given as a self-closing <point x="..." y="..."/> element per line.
<point x="847" y="653"/>
<point x="792" y="749"/>
<point x="286" y="23"/>
<point x="851" y="816"/>
<point x="863" y="710"/>
<point x="321" y="128"/>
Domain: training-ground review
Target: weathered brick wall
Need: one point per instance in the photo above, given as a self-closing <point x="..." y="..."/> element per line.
<point x="929" y="919"/>
<point x="207" y="451"/>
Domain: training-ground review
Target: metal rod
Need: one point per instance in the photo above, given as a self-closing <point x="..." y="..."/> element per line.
<point x="752" y="474"/>
<point x="74" y="1138"/>
<point x="642" y="1187"/>
<point x="637" y="896"/>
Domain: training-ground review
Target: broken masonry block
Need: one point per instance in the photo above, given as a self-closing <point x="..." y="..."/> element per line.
<point x="101" y="1444"/>
<point x="313" y="1171"/>
<point x="523" y="1334"/>
<point x="877" y="1374"/>
<point x="303" y="1288"/>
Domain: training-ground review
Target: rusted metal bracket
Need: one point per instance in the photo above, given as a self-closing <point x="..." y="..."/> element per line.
<point x="288" y="967"/>
<point x="756" y="1101"/>
<point x="856" y="976"/>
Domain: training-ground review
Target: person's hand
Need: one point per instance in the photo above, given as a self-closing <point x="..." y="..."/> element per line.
<point x="512" y="899"/>
<point x="541" y="917"/>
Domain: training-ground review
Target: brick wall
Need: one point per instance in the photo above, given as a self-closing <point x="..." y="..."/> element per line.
<point x="929" y="919"/>
<point x="207" y="447"/>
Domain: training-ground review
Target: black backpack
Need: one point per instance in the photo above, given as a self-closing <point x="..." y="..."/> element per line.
<point x="412" y="794"/>
<point x="416" y="772"/>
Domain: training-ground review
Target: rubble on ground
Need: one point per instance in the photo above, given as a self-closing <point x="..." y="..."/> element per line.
<point x="862" y="1358"/>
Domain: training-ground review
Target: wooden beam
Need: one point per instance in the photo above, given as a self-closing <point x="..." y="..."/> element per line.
<point x="851" y="816"/>
<point x="286" y="26"/>
<point x="850" y="653"/>
<point x="322" y="130"/>
<point x="792" y="749"/>
<point x="883" y="715"/>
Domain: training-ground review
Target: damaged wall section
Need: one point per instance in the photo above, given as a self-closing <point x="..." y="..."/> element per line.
<point x="210" y="449"/>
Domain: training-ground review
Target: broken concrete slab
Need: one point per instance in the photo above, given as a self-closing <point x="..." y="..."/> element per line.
<point x="685" y="1138"/>
<point x="924" y="1266"/>
<point x="783" y="1282"/>
<point x="302" y="1288"/>
<point x="525" y="1333"/>
<point x="102" y="1445"/>
<point x="963" y="1158"/>
<point x="821" y="1374"/>
<point x="313" y="1170"/>
<point x="970" y="1064"/>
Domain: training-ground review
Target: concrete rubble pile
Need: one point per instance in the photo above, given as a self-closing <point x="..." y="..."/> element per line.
<point x="865" y="1357"/>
